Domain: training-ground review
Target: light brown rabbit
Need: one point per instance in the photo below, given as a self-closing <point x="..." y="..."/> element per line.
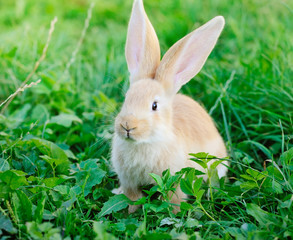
<point x="157" y="128"/>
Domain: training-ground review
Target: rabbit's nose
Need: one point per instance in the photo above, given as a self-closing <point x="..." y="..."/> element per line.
<point x="128" y="129"/>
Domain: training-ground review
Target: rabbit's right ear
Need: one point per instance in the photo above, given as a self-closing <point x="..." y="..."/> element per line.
<point x="187" y="56"/>
<point x="142" y="49"/>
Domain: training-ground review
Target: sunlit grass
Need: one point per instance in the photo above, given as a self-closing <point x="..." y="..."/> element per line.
<point x="246" y="85"/>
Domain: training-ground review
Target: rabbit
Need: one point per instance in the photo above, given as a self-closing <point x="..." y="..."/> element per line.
<point x="157" y="128"/>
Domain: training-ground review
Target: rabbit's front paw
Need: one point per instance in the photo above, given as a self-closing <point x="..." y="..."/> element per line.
<point x="133" y="208"/>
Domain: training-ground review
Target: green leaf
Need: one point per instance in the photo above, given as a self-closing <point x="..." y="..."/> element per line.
<point x="89" y="115"/>
<point x="168" y="221"/>
<point x="260" y="215"/>
<point x="38" y="216"/>
<point x="199" y="195"/>
<point x="287" y="159"/>
<point x="190" y="175"/>
<point x="214" y="178"/>
<point x="18" y="116"/>
<point x="157" y="179"/>
<point x="236" y="232"/>
<point x="53" y="181"/>
<point x="188" y="169"/>
<point x="45" y="227"/>
<point x="4" y="165"/>
<point x="13" y="178"/>
<point x="89" y="176"/>
<point x="171" y="221"/>
<point x="50" y="149"/>
<point x="186" y="187"/>
<point x="65" y="119"/>
<point x="62" y="189"/>
<point x="171" y="181"/>
<point x="114" y="204"/>
<point x="262" y="175"/>
<point x="70" y="154"/>
<point x="275" y="172"/>
<point x="247" y="160"/>
<point x="256" y="175"/>
<point x="200" y="162"/>
<point x="248" y="185"/>
<point x="202" y="155"/>
<point x="95" y="177"/>
<point x="215" y="164"/>
<point x="291" y="180"/>
<point x="191" y="184"/>
<point x="186" y="206"/>
<point x="202" y="158"/>
<point x="89" y="164"/>
<point x="54" y="154"/>
<point x="33" y="230"/>
<point x="121" y="227"/>
<point x="23" y="206"/>
<point x="6" y="224"/>
<point x="152" y="191"/>
<point x="69" y="203"/>
<point x="40" y="114"/>
<point x="272" y="186"/>
<point x="253" y="173"/>
<point x="5" y="190"/>
<point x="157" y="206"/>
<point x="191" y="223"/>
<point x="166" y="174"/>
<point x="101" y="232"/>
<point x="197" y="184"/>
<point x="141" y="201"/>
<point x="43" y="231"/>
<point x="247" y="177"/>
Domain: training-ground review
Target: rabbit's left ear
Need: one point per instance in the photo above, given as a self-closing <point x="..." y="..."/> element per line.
<point x="187" y="56"/>
<point x="142" y="49"/>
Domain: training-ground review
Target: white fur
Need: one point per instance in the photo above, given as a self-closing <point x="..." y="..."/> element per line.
<point x="134" y="161"/>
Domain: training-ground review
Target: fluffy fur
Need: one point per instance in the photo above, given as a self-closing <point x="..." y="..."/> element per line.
<point x="151" y="140"/>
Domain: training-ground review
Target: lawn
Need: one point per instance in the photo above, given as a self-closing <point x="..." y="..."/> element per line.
<point x="55" y="135"/>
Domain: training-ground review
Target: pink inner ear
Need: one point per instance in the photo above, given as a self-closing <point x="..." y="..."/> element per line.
<point x="191" y="60"/>
<point x="186" y="68"/>
<point x="135" y="40"/>
<point x="189" y="54"/>
<point x="134" y="52"/>
<point x="135" y="58"/>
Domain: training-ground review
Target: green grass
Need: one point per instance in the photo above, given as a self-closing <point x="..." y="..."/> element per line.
<point x="55" y="174"/>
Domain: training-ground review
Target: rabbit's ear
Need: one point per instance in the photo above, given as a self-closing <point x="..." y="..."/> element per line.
<point x="142" y="49"/>
<point x="187" y="56"/>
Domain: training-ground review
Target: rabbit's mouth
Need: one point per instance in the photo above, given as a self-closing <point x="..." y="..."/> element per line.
<point x="132" y="129"/>
<point x="126" y="131"/>
<point x="130" y="135"/>
<point x="129" y="138"/>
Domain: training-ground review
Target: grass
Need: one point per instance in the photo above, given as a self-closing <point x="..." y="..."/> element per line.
<point x="55" y="175"/>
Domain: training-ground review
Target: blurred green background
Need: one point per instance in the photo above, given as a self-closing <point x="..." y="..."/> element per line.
<point x="255" y="49"/>
<point x="246" y="85"/>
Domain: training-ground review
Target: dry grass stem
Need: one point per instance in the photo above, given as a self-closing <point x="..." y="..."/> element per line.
<point x="37" y="64"/>
<point x="21" y="89"/>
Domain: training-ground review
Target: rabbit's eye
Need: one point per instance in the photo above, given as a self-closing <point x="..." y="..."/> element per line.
<point x="154" y="106"/>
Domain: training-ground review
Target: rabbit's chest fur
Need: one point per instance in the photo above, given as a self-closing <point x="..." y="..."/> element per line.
<point x="133" y="162"/>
